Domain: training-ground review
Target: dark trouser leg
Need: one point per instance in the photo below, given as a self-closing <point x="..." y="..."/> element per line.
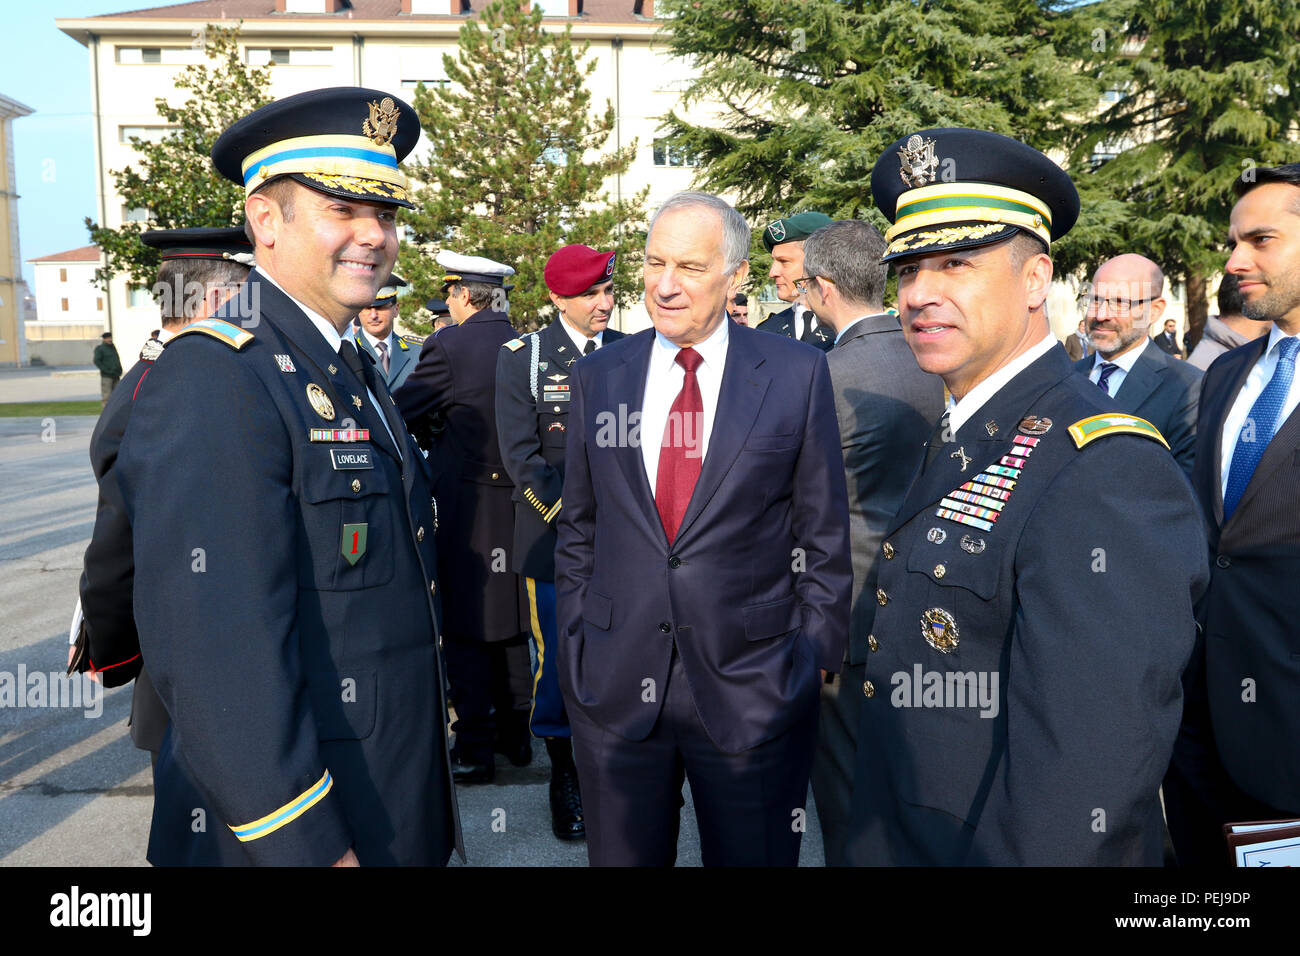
<point x="834" y="758"/>
<point x="751" y="806"/>
<point x="512" y="690"/>
<point x="548" y="716"/>
<point x="469" y="675"/>
<point x="632" y="794"/>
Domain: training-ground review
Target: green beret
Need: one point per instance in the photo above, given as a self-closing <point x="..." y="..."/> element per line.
<point x="794" y="228"/>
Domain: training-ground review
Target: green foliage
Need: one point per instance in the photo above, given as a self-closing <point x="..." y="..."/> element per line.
<point x="516" y="170"/>
<point x="175" y="179"/>
<point x="815" y="91"/>
<point x="1210" y="90"/>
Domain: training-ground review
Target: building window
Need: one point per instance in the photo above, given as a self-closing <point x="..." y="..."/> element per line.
<point x="135" y="214"/>
<point x="666" y="155"/>
<point x="130" y="55"/>
<point x="63" y="275"/>
<point x="430" y="84"/>
<point x="138" y="297"/>
<point x="553" y="8"/>
<point x="553" y="156"/>
<point x="291" y="56"/>
<point x="150" y="134"/>
<point x="65" y="304"/>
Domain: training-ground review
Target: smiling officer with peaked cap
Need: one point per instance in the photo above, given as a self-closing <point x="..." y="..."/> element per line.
<point x="291" y="619"/>
<point x="1023" y="677"/>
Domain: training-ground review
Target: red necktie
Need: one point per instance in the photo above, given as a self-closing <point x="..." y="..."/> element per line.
<point x="680" y="454"/>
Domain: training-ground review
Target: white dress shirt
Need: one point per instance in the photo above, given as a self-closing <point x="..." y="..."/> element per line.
<point x="663" y="383"/>
<point x="331" y="336"/>
<point x="577" y="338"/>
<point x="802" y="315"/>
<point x="959" y="413"/>
<point x="1256" y="381"/>
<point x="1125" y="363"/>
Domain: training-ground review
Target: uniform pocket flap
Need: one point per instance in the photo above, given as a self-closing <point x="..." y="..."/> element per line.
<point x="324" y="478"/>
<point x="950" y="567"/>
<point x="486" y="473"/>
<point x="771" y="619"/>
<point x="343" y="703"/>
<point x="597" y="610"/>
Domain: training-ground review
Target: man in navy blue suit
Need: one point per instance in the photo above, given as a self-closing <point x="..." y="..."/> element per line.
<point x="702" y="564"/>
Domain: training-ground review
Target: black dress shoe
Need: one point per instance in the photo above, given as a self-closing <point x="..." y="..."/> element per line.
<point x="472" y="772"/>
<point x="566" y="805"/>
<point x="519" y="753"/>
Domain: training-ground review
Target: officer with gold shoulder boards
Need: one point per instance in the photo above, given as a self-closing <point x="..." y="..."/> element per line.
<point x="533" y="375"/>
<point x="374" y="333"/>
<point x="307" y="727"/>
<point x="1023" y="680"/>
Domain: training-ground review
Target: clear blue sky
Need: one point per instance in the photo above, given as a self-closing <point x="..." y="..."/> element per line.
<point x="54" y="148"/>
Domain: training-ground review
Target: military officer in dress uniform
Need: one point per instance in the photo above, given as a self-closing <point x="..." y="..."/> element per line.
<point x="784" y="240"/>
<point x="284" y="543"/>
<point x="199" y="270"/>
<point x="451" y="399"/>
<point x="533" y="374"/>
<point x="392" y="353"/>
<point x="1022" y="687"/>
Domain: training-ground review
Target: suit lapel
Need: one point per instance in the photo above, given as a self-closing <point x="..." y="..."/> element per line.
<point x="739" y="399"/>
<point x="625" y="390"/>
<point x="1228" y="397"/>
<point x="1143" y="378"/>
<point x="400" y="358"/>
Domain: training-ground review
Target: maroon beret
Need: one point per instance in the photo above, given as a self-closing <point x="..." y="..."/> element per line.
<point x="576" y="268"/>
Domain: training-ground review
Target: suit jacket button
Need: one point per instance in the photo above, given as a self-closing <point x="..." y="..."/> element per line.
<point x="868" y="688"/>
<point x="872" y="642"/>
<point x="674" y="562"/>
<point x="419" y="534"/>
<point x="889" y="551"/>
<point x="495" y="475"/>
<point x="665" y="627"/>
<point x="1223" y="561"/>
<point x="881" y="597"/>
<point x="356" y="484"/>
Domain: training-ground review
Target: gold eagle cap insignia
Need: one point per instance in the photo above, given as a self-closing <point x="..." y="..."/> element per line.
<point x="381" y="127"/>
<point x="919" y="163"/>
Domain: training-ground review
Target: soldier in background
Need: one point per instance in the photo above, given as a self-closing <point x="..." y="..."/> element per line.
<point x="449" y="401"/>
<point x="784" y="240"/>
<point x="532" y="420"/>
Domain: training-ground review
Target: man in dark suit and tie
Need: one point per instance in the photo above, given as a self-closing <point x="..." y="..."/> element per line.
<point x="702" y="565"/>
<point x="1236" y="756"/>
<point x="1125" y="301"/>
<point x="784" y="240"/>
<point x="393" y="355"/>
<point x="886" y="407"/>
<point x="1167" y="341"/>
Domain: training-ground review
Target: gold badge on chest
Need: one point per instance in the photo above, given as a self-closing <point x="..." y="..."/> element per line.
<point x="939" y="628"/>
<point x="320" y="402"/>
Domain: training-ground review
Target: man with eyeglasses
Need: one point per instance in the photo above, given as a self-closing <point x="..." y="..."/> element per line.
<point x="1125" y="301"/>
<point x="783" y="239"/>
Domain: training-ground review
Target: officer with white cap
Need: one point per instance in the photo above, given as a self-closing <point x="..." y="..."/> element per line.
<point x="449" y="402"/>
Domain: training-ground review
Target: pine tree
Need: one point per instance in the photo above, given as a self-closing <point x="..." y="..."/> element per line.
<point x="516" y="169"/>
<point x="814" y="92"/>
<point x="1207" y="90"/>
<point x="175" y="180"/>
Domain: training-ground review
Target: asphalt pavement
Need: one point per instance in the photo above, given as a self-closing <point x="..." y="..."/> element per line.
<point x="73" y="790"/>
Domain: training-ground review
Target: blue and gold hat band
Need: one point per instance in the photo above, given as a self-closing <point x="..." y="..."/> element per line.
<point x="332" y="155"/>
